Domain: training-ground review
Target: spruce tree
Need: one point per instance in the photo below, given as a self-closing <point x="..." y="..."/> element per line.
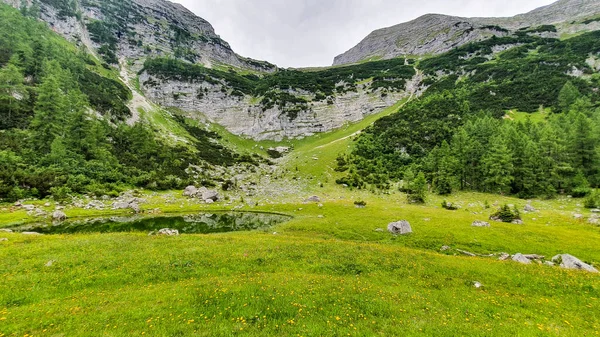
<point x="567" y="96"/>
<point x="49" y="115"/>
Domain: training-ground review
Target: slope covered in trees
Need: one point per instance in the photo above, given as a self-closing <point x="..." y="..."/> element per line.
<point x="455" y="134"/>
<point x="62" y="124"/>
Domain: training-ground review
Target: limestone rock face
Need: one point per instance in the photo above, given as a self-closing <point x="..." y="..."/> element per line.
<point x="244" y="115"/>
<point x="435" y="34"/>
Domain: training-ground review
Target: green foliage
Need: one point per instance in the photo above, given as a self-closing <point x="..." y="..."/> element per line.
<point x="567" y="96"/>
<point x="416" y="189"/>
<point x="593" y="200"/>
<point x="506" y="214"/>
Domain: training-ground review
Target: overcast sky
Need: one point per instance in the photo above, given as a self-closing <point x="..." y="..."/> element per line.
<point x="303" y="33"/>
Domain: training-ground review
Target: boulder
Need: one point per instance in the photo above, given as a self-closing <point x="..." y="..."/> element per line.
<point x="477" y="285"/>
<point x="400" y="227"/>
<point x="209" y="201"/>
<point x="29" y="207"/>
<point x="595" y="210"/>
<point x="517" y="222"/>
<point x="504" y="256"/>
<point x="134" y="206"/>
<point x="379" y="230"/>
<point x="3" y="239"/>
<point x="5" y="230"/>
<point x="578" y="216"/>
<point x="445" y="248"/>
<point x="168" y="232"/>
<point x="571" y="262"/>
<point x="59" y="216"/>
<point x="190" y="191"/>
<point x="278" y="152"/>
<point x="529" y="209"/>
<point x="130" y="204"/>
<point x="31" y="233"/>
<point x="210" y="194"/>
<point x="478" y="223"/>
<point x="521" y="258"/>
<point x="314" y="198"/>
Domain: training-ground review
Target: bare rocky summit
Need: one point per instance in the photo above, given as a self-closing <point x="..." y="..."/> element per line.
<point x="436" y="33"/>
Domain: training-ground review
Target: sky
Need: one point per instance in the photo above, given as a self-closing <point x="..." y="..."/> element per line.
<point x="306" y="33"/>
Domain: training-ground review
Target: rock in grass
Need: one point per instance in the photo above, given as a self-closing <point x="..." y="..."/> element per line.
<point x="3" y="239"/>
<point x="521" y="258"/>
<point x="49" y="263"/>
<point x="190" y="191"/>
<point x="529" y="209"/>
<point x="6" y="230"/>
<point x="314" y="198"/>
<point x="517" y="222"/>
<point x="59" y="216"/>
<point x="504" y="256"/>
<point x="401" y="227"/>
<point x="210" y="195"/>
<point x="595" y="210"/>
<point x="477" y="285"/>
<point x="480" y="224"/>
<point x="31" y="233"/>
<point x="168" y="232"/>
<point x="567" y="261"/>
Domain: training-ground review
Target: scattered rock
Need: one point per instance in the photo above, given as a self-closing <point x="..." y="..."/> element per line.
<point x="466" y="253"/>
<point x="571" y="262"/>
<point x="6" y="230"/>
<point x="477" y="284"/>
<point x="578" y="216"/>
<point x="59" y="216"/>
<point x="95" y="205"/>
<point x="29" y="207"/>
<point x="495" y="218"/>
<point x="478" y="223"/>
<point x="534" y="256"/>
<point x="320" y="216"/>
<point x="18" y="204"/>
<point x="131" y="204"/>
<point x="210" y="195"/>
<point x="401" y="227"/>
<point x="529" y="209"/>
<point x="380" y="230"/>
<point x="314" y="198"/>
<point x="521" y="258"/>
<point x="31" y="233"/>
<point x="49" y="263"/>
<point x="504" y="256"/>
<point x="278" y="152"/>
<point x="168" y="232"/>
<point x="550" y="264"/>
<point x="595" y="210"/>
<point x="517" y="222"/>
<point x="190" y="191"/>
<point x="445" y="248"/>
<point x="47" y="204"/>
<point x="3" y="239"/>
<point x="320" y="205"/>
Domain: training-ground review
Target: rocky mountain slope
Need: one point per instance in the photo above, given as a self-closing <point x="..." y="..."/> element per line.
<point x="436" y="34"/>
<point x="137" y="29"/>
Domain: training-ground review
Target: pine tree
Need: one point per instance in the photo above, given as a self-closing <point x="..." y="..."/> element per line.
<point x="583" y="143"/>
<point x="49" y="117"/>
<point x="567" y="96"/>
<point x="498" y="167"/>
<point x="418" y="189"/>
<point x="11" y="91"/>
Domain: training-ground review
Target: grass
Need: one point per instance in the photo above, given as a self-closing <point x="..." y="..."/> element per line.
<point x="327" y="272"/>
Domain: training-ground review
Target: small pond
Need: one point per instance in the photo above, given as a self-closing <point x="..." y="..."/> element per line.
<point x="200" y="223"/>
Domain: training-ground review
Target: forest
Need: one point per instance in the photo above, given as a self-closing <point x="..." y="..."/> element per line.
<point x="460" y="135"/>
<point x="62" y="129"/>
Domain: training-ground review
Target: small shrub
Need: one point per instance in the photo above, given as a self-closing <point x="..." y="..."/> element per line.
<point x="360" y="204"/>
<point x="593" y="200"/>
<point x="505" y="214"/>
<point x="449" y="206"/>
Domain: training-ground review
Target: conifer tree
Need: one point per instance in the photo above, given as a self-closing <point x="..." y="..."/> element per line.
<point x="498" y="167"/>
<point x="567" y="96"/>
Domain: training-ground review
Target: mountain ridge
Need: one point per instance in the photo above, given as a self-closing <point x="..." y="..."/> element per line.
<point x="433" y="34"/>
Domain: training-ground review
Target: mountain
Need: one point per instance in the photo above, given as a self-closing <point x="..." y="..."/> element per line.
<point x="137" y="29"/>
<point x="435" y="34"/>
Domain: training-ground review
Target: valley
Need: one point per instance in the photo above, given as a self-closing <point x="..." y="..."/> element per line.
<point x="155" y="183"/>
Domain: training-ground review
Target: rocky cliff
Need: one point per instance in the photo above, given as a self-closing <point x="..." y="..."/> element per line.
<point x="138" y="29"/>
<point x="435" y="34"/>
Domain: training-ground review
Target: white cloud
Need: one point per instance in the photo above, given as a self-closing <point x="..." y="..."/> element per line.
<point x="302" y="33"/>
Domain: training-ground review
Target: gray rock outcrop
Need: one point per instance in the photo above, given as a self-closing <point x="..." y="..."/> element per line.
<point x="571" y="262"/>
<point x="521" y="258"/>
<point x="400" y="228"/>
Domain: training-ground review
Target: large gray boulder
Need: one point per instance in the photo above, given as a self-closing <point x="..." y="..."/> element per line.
<point x="401" y="227"/>
<point x="571" y="262"/>
<point x="168" y="232"/>
<point x="59" y="216"/>
<point x="210" y="195"/>
<point x="529" y="209"/>
<point x="190" y="191"/>
<point x="521" y="258"/>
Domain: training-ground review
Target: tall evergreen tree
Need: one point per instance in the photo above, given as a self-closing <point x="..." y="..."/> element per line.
<point x="49" y="118"/>
<point x="498" y="167"/>
<point x="567" y="96"/>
